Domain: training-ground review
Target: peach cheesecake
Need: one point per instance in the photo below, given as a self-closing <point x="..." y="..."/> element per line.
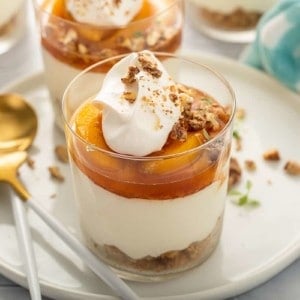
<point x="150" y="160"/>
<point x="78" y="33"/>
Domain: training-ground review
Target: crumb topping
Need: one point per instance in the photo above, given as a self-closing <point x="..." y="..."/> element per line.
<point x="61" y="153"/>
<point x="199" y="113"/>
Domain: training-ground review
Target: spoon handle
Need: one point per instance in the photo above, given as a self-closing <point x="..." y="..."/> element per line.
<point x="25" y="246"/>
<point x="98" y="267"/>
<point x="9" y="164"/>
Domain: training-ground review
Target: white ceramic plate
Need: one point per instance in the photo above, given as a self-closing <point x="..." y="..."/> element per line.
<point x="256" y="243"/>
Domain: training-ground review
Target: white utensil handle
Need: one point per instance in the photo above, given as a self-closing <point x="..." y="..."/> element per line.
<point x="98" y="267"/>
<point x="26" y="248"/>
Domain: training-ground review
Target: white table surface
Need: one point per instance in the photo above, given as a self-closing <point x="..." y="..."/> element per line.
<point x="25" y="59"/>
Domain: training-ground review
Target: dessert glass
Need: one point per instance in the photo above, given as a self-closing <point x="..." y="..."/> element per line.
<point x="150" y="217"/>
<point x="12" y="23"/>
<point x="230" y="20"/>
<point x="68" y="46"/>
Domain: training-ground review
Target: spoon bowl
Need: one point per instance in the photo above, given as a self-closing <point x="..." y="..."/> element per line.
<point x="18" y="124"/>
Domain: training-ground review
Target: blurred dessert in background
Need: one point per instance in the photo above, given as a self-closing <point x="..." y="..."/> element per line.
<point x="77" y="33"/>
<point x="150" y="161"/>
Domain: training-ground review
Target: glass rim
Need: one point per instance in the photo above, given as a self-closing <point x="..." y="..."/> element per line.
<point x="109" y="27"/>
<point x="152" y="157"/>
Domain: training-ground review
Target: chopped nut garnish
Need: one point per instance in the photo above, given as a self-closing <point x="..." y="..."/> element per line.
<point x="130" y="77"/>
<point x="53" y="196"/>
<point x="250" y="165"/>
<point x="55" y="173"/>
<point x="179" y="132"/>
<point x="272" y="155"/>
<point x="292" y="167"/>
<point x="30" y="162"/>
<point x="148" y="65"/>
<point x="235" y="172"/>
<point x="61" y="153"/>
<point x="129" y="96"/>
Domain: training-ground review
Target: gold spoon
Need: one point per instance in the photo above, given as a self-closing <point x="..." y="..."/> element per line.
<point x="18" y="127"/>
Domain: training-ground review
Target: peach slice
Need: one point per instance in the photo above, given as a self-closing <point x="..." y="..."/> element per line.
<point x="88" y="126"/>
<point x="173" y="147"/>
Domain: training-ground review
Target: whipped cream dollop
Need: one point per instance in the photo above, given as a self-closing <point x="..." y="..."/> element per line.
<point x="140" y="105"/>
<point x="104" y="12"/>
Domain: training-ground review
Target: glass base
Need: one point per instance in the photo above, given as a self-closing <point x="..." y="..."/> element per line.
<point x="156" y="269"/>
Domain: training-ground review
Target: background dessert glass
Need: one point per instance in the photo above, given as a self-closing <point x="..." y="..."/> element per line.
<point x="12" y="23"/>
<point x="156" y="216"/>
<point x="69" y="47"/>
<point x="228" y="20"/>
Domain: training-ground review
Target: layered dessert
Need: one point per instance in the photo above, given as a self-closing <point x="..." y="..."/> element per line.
<point x="150" y="160"/>
<point x="230" y="21"/>
<point x="77" y="33"/>
<point x="232" y="14"/>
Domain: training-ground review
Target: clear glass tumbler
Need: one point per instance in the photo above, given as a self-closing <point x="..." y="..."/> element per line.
<point x="151" y="217"/>
<point x="68" y="46"/>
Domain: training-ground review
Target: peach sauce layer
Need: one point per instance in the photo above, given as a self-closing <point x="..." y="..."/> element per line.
<point x="185" y="172"/>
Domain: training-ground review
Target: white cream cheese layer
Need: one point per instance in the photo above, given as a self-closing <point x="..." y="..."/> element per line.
<point x="140" y="227"/>
<point x="227" y="6"/>
<point x="104" y="12"/>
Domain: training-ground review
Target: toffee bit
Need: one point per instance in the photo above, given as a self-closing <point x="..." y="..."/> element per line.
<point x="130" y="77"/>
<point x="56" y="174"/>
<point x="30" y="162"/>
<point x="148" y="65"/>
<point x="271" y="155"/>
<point x="61" y="153"/>
<point x="235" y="172"/>
<point x="292" y="168"/>
<point x="250" y="165"/>
<point x="129" y="96"/>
